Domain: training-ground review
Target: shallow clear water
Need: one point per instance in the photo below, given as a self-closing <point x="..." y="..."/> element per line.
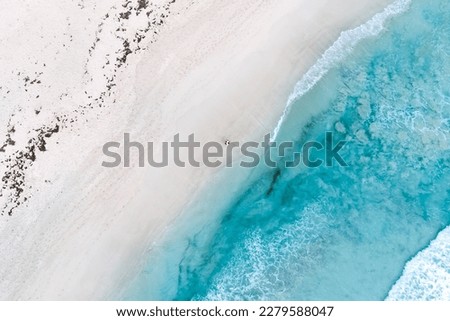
<point x="336" y="233"/>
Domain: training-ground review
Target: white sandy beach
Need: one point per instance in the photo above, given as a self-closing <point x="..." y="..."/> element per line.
<point x="77" y="75"/>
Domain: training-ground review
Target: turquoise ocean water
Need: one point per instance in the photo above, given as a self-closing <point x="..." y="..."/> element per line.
<point x="334" y="233"/>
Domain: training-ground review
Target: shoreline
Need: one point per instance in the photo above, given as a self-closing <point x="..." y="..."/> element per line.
<point x="215" y="69"/>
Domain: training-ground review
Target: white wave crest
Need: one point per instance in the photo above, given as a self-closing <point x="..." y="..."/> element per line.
<point x="340" y="49"/>
<point x="427" y="276"/>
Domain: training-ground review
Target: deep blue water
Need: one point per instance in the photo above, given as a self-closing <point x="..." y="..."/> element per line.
<point x="337" y="233"/>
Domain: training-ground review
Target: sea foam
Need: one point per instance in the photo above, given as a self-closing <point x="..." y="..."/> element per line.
<point x="427" y="275"/>
<point x="340" y="49"/>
